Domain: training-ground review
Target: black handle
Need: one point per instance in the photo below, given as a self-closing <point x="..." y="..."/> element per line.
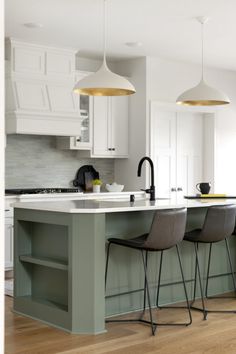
<point x="179" y="189"/>
<point x="173" y="190"/>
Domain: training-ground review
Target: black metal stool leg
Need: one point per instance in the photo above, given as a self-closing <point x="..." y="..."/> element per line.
<point x="146" y="291"/>
<point x="208" y="270"/>
<point x="145" y="284"/>
<point x="203" y="309"/>
<point x="195" y="283"/>
<point x="230" y="263"/>
<point x="185" y="289"/>
<point x="159" y="280"/>
<point x="154" y="326"/>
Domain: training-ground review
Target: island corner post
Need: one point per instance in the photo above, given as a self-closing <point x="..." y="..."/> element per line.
<point x="60" y="265"/>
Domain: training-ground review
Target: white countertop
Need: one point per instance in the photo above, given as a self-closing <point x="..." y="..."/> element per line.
<point x="116" y="205"/>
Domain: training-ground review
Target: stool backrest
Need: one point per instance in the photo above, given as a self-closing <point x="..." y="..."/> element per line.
<point x="168" y="228"/>
<point x="219" y="223"/>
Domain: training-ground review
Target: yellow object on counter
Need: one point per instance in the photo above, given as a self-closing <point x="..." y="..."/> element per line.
<point x="213" y="195"/>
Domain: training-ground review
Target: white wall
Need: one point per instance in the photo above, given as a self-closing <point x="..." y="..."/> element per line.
<point x="163" y="80"/>
<point x="167" y="79"/>
<point x="88" y="64"/>
<point x="126" y="169"/>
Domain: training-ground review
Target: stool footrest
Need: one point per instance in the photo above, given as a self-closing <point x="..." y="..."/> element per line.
<point x="216" y="311"/>
<point x="148" y="322"/>
<point x="220" y="297"/>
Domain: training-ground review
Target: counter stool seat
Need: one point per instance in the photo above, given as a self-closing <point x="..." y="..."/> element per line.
<point x="218" y="225"/>
<point x="167" y="230"/>
<point x="136" y="242"/>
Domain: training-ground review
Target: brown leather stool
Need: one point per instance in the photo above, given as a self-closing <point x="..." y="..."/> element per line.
<point x="167" y="231"/>
<point x="218" y="225"/>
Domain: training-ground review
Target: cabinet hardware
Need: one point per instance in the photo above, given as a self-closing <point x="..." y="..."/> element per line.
<point x="7" y="209"/>
<point x="173" y="190"/>
<point x="179" y="189"/>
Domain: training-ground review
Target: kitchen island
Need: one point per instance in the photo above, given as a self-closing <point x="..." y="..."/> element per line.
<point x="59" y="260"/>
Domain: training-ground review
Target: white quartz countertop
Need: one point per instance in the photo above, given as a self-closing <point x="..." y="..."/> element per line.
<point x="116" y="205"/>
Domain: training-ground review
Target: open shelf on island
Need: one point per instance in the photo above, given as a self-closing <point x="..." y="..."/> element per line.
<point x="49" y="303"/>
<point x="45" y="261"/>
<point x="49" y="311"/>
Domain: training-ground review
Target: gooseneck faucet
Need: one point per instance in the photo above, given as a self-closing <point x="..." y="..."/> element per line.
<point x="151" y="190"/>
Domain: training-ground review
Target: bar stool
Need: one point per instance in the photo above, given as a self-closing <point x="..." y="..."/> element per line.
<point x="219" y="224"/>
<point x="167" y="230"/>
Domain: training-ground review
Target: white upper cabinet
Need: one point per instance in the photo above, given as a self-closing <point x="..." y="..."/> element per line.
<point x="110" y="127"/>
<point x="104" y="128"/>
<point x="101" y="127"/>
<point x="120" y="125"/>
<point x="84" y="105"/>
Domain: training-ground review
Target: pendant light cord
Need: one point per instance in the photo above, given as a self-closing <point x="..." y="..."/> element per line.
<point x="202" y="30"/>
<point x="104" y="30"/>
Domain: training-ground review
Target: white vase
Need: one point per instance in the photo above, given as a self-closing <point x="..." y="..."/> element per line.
<point x="96" y="188"/>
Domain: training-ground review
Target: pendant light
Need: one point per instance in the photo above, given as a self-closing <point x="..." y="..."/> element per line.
<point x="104" y="82"/>
<point x="202" y="94"/>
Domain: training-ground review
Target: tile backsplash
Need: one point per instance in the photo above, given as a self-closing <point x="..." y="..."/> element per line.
<point x="34" y="161"/>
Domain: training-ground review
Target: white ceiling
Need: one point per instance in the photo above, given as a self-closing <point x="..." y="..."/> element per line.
<point x="166" y="28"/>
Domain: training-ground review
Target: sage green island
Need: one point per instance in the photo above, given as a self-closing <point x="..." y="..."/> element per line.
<point x="60" y="252"/>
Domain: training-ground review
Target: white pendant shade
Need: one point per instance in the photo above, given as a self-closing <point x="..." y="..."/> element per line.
<point x="104" y="83"/>
<point x="202" y="95"/>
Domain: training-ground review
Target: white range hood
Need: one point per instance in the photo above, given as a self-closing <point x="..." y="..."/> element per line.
<point x="39" y="96"/>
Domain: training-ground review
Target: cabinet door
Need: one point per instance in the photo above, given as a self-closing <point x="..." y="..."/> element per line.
<point x="163" y="152"/>
<point x="119" y="126"/>
<point x="189" y="151"/>
<point x="176" y="149"/>
<point x="101" y="127"/>
<point x="8" y="243"/>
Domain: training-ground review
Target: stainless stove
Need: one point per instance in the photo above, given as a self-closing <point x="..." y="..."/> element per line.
<point x="41" y="191"/>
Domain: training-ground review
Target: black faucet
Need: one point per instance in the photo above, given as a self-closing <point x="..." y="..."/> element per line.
<point x="151" y="190"/>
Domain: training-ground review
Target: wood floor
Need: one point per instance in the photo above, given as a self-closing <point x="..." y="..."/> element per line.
<point x="217" y="335"/>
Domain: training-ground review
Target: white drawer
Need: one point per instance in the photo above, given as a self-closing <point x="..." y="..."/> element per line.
<point x="8" y="212"/>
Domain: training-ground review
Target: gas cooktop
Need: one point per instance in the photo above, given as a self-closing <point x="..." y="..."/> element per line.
<point x="42" y="190"/>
